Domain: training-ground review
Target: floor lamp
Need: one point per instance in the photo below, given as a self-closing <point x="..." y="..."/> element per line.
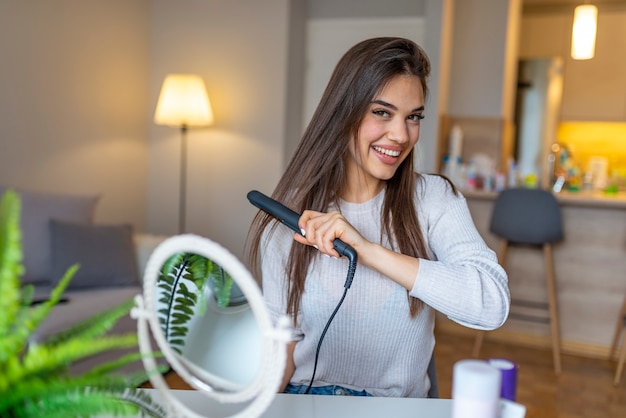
<point x="183" y="103"/>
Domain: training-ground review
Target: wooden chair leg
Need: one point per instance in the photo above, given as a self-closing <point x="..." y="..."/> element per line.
<point x="619" y="327"/>
<point x="478" y="343"/>
<point x="553" y="308"/>
<point x="620" y="364"/>
<point x="504" y="246"/>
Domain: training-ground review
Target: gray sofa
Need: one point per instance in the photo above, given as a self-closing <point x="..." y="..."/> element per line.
<point x="59" y="231"/>
<point x="83" y="303"/>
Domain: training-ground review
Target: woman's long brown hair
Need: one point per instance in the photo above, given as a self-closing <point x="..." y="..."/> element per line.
<point x="316" y="174"/>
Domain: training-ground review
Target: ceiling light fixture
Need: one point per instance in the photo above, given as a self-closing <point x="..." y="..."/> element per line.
<point x="584" y="32"/>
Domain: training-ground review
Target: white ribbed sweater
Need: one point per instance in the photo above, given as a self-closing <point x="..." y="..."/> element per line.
<point x="373" y="344"/>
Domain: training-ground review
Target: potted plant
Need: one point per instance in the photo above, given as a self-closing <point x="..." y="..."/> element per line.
<point x="34" y="377"/>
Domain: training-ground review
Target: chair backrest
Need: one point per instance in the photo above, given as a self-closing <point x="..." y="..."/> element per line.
<point x="527" y="216"/>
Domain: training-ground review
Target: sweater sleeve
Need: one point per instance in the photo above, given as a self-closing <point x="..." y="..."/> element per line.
<point x="463" y="280"/>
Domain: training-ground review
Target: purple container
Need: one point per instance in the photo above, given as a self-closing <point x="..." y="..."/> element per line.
<point x="508" y="370"/>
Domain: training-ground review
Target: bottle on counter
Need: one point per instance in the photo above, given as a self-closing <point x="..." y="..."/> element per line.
<point x="499" y="181"/>
<point x="471" y="176"/>
<point x="489" y="181"/>
<point x="513" y="174"/>
<point x="452" y="169"/>
<point x="556" y="163"/>
<point x="574" y="178"/>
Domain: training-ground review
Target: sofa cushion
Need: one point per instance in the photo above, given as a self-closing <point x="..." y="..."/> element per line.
<point x="37" y="211"/>
<point x="106" y="254"/>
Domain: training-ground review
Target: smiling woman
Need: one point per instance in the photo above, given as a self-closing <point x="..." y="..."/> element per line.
<point x="352" y="178"/>
<point x="388" y="132"/>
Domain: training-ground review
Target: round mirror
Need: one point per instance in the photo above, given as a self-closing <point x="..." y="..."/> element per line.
<point x="208" y="318"/>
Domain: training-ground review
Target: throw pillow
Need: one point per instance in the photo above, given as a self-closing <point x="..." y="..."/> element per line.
<point x="106" y="254"/>
<point x="37" y="210"/>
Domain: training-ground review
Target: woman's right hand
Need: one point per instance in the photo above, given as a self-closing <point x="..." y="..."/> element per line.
<point x="321" y="229"/>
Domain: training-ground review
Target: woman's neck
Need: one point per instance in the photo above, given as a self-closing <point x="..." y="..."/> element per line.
<point x="360" y="190"/>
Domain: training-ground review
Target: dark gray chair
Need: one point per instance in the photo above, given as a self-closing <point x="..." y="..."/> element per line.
<point x="530" y="217"/>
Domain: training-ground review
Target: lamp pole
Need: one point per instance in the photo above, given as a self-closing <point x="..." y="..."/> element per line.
<point x="183" y="102"/>
<point x="183" y="179"/>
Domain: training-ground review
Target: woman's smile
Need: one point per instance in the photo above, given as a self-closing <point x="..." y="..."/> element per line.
<point x="387" y="155"/>
<point x="387" y="152"/>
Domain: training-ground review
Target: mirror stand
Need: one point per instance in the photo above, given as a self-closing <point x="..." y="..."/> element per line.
<point x="256" y="396"/>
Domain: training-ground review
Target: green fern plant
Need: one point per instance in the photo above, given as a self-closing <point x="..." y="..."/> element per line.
<point x="34" y="377"/>
<point x="182" y="282"/>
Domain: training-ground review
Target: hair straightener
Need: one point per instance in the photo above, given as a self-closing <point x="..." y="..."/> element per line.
<point x="290" y="218"/>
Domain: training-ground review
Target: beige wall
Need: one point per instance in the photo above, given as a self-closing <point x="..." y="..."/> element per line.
<point x="240" y="49"/>
<point x="73" y="95"/>
<point x="484" y="63"/>
<point x="78" y="87"/>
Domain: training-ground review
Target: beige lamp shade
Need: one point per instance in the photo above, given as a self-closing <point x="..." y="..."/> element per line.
<point x="584" y="32"/>
<point x="183" y="101"/>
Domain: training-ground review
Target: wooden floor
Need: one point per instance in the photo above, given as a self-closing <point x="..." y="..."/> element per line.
<point x="583" y="390"/>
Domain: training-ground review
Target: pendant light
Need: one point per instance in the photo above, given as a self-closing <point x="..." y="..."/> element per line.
<point x="584" y="32"/>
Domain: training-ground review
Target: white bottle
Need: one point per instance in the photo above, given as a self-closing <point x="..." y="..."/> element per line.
<point x="475" y="390"/>
<point x="513" y="180"/>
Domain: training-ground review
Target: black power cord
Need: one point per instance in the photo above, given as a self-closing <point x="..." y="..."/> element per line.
<point x="290" y="219"/>
<point x="352" y="257"/>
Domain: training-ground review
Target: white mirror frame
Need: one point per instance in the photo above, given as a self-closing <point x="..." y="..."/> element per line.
<point x="264" y="387"/>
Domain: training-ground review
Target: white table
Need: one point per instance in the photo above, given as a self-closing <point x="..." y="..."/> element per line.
<point x="321" y="406"/>
<point x="318" y="406"/>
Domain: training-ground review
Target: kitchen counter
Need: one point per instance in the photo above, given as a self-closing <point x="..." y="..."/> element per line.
<point x="593" y="199"/>
<point x="566" y="198"/>
<point x="590" y="270"/>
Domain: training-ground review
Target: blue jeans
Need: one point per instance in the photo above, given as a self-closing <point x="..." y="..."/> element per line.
<point x="324" y="390"/>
